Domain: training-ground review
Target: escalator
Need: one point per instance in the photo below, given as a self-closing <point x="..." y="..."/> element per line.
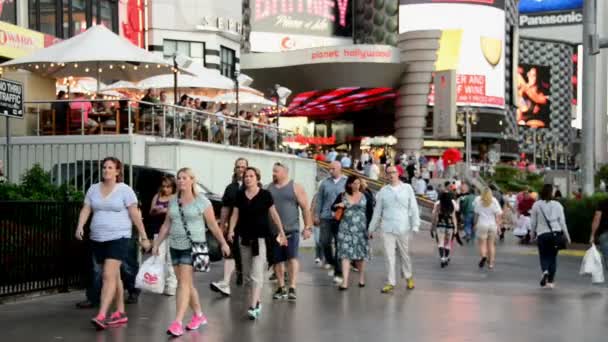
<point x="425" y="205"/>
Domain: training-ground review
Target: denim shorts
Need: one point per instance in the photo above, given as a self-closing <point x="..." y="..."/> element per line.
<point x="282" y="254"/>
<point x="114" y="249"/>
<point x="181" y="256"/>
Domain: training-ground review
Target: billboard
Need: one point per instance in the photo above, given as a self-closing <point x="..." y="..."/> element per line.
<point x="537" y="13"/>
<point x="533" y="96"/>
<point x="299" y="24"/>
<point x="472" y="43"/>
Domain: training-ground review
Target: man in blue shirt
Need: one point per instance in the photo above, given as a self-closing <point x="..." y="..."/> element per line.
<point x="329" y="189"/>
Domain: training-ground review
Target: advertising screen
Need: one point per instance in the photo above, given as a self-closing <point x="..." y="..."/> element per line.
<point x="283" y="25"/>
<point x="533" y="96"/>
<point x="472" y="43"/>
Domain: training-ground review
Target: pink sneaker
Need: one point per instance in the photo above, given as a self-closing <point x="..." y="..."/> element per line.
<point x="196" y="322"/>
<point x="117" y="318"/>
<point x="175" y="329"/>
<point x="99" y="322"/>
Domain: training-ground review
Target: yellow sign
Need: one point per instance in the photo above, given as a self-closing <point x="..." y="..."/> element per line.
<point x="448" y="55"/>
<point x="17" y="42"/>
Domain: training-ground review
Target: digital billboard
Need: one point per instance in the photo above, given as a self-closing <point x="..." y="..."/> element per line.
<point x="472" y="43"/>
<point x="284" y="25"/>
<point x="536" y="13"/>
<point x="533" y="96"/>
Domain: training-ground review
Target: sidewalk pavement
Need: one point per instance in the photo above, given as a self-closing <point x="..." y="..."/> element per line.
<point x="460" y="303"/>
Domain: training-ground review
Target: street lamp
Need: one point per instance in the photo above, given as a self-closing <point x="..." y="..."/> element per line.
<point x="236" y="81"/>
<point x="467" y="118"/>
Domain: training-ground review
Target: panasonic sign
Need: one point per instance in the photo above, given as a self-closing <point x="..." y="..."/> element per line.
<point x="551" y="19"/>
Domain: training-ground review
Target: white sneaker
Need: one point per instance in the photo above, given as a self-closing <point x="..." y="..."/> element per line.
<point x="338" y="280"/>
<point x="170" y="291"/>
<point x="221" y="287"/>
<point x="318" y="262"/>
<point x="327" y="267"/>
<point x="330" y="273"/>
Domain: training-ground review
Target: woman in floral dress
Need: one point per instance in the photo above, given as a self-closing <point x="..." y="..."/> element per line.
<point x="352" y="231"/>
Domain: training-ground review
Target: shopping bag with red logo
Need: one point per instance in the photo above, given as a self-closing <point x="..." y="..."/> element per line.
<point x="151" y="275"/>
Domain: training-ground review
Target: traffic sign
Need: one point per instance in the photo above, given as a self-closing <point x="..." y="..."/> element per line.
<point x="11" y="99"/>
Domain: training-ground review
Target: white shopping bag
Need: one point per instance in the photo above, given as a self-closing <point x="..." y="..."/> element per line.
<point x="151" y="275"/>
<point x="592" y="265"/>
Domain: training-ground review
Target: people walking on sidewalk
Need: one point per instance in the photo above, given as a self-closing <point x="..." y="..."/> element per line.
<point x="250" y="222"/>
<point x="184" y="225"/>
<point x="467" y="211"/>
<point x="397" y="214"/>
<point x="352" y="238"/>
<point x="548" y="225"/>
<point x="233" y="261"/>
<point x="158" y="211"/>
<point x="329" y="189"/>
<point x="289" y="198"/>
<point x="487" y="221"/>
<point x="444" y="226"/>
<point x="599" y="230"/>
<point x="113" y="205"/>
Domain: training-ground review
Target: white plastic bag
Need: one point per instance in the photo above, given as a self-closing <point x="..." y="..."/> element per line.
<point x="592" y="265"/>
<point x="151" y="275"/>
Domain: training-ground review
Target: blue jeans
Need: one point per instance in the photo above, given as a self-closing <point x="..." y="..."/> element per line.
<point x="316" y="231"/>
<point x="603" y="247"/>
<point x="468" y="225"/>
<point x="128" y="272"/>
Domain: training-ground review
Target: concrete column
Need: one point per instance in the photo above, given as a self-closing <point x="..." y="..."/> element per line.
<point x="418" y="53"/>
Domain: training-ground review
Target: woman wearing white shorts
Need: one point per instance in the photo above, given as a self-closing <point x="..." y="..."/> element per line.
<point x="487" y="221"/>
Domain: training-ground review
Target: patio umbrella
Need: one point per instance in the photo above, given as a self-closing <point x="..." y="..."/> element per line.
<point x="98" y="53"/>
<point x="244" y="98"/>
<point x="166" y="82"/>
<point x="121" y="85"/>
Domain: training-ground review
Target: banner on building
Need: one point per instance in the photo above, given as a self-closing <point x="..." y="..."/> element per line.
<point x="297" y="24"/>
<point x="533" y="96"/>
<point x="537" y="13"/>
<point x="17" y="42"/>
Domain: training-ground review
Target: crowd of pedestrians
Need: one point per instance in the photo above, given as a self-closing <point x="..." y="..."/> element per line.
<point x="260" y="226"/>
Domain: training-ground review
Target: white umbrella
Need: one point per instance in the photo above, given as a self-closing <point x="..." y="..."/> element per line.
<point x="97" y="52"/>
<point x="121" y="85"/>
<point x="186" y="81"/>
<point x="244" y="98"/>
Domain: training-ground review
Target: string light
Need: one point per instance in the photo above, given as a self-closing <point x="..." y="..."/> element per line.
<point x="158" y="66"/>
<point x="100" y="70"/>
<point x="111" y="66"/>
<point x="86" y="70"/>
<point x="135" y="67"/>
<point x="76" y="65"/>
<point x="122" y="67"/>
<point x="147" y="66"/>
<point x="36" y="66"/>
<point x="52" y="65"/>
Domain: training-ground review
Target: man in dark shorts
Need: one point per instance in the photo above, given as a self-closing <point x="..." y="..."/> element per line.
<point x="289" y="198"/>
<point x="228" y="203"/>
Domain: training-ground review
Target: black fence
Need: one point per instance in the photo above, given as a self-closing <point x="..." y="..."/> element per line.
<point x="38" y="251"/>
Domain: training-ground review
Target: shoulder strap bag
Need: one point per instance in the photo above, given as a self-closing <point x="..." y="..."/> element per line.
<point x="559" y="239"/>
<point x="200" y="250"/>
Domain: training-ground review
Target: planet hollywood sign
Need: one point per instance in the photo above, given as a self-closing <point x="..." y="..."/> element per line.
<point x="16" y="40"/>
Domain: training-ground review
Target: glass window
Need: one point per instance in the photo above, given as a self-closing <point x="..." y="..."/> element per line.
<point x="31" y="11"/>
<point x="227" y="62"/>
<point x="65" y="23"/>
<point x="105" y="14"/>
<point x="48" y="17"/>
<point x="169" y="47"/>
<point x="79" y="16"/>
<point x="197" y="52"/>
<point x="8" y="11"/>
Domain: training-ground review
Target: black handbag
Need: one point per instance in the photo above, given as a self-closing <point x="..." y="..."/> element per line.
<point x="559" y="239"/>
<point x="215" y="251"/>
<point x="200" y="250"/>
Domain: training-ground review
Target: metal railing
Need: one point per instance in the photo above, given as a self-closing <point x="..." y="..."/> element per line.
<point x="37" y="249"/>
<point x="155" y="119"/>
